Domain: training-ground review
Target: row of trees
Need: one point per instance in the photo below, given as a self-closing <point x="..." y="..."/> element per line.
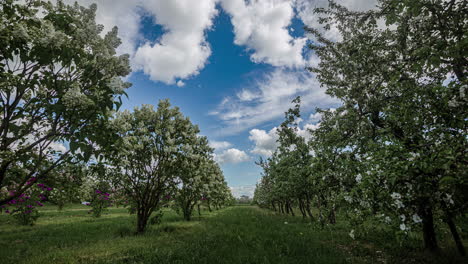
<point x="395" y="150"/>
<point x="60" y="87"/>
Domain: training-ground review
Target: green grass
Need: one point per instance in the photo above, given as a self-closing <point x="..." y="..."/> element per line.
<point x="240" y="234"/>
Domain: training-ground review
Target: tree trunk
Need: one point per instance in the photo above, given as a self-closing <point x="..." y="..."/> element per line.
<point x="142" y="220"/>
<point x="198" y="207"/>
<point x="308" y="210"/>
<point x="291" y="209"/>
<point x="301" y="208"/>
<point x="209" y="207"/>
<point x="455" y="235"/>
<point x="430" y="239"/>
<point x="187" y="210"/>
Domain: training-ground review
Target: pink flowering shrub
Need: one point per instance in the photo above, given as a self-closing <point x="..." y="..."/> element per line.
<point x="99" y="203"/>
<point x="24" y="207"/>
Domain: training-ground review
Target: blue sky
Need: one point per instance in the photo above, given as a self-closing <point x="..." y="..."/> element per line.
<point x="232" y="66"/>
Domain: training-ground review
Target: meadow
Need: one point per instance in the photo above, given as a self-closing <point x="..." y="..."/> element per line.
<point x="237" y="234"/>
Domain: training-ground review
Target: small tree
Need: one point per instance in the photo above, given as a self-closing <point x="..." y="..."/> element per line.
<point x="146" y="158"/>
<point x="195" y="175"/>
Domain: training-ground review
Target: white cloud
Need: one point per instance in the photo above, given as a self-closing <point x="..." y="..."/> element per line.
<point x="182" y="51"/>
<point x="273" y="96"/>
<point x="219" y="145"/>
<point x="309" y="18"/>
<point x="180" y="83"/>
<point x="238" y="191"/>
<point x="231" y="155"/>
<point x="247" y="95"/>
<point x="262" y="26"/>
<point x="305" y="131"/>
<point x="314" y="118"/>
<point x="57" y="146"/>
<point x="265" y="142"/>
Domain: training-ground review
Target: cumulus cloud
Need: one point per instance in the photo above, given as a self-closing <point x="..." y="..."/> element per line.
<point x="262" y="26"/>
<point x="182" y="51"/>
<point x="269" y="98"/>
<point x="219" y="145"/>
<point x="265" y="142"/>
<point x="306" y="129"/>
<point x="315" y="117"/>
<point x="180" y="83"/>
<point x="231" y="155"/>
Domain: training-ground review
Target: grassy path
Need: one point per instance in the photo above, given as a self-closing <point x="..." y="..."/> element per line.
<point x="240" y="234"/>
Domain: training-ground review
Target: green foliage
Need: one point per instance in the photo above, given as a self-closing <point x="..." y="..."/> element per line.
<point x="395" y="150"/>
<point x="239" y="234"/>
<point x="59" y="82"/>
<point x="158" y="155"/>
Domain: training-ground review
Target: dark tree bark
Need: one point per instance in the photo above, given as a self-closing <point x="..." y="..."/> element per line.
<point x="430" y="239"/>
<point x="308" y="209"/>
<point x="455" y="235"/>
<point x="301" y="208"/>
<point x="142" y="221"/>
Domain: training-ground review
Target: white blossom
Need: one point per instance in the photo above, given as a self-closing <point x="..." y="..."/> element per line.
<point x="403" y="227"/>
<point x="448" y="198"/>
<point x="358" y="178"/>
<point x="351" y="233"/>
<point x="417" y="219"/>
<point x="402" y="217"/>
<point x="399" y="204"/>
<point x="396" y="195"/>
<point x="388" y="220"/>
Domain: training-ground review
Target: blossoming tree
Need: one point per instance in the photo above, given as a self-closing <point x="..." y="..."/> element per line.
<point x="403" y="119"/>
<point x="59" y="81"/>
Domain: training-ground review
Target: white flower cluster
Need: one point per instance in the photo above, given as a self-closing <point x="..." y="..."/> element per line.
<point x="397" y="200"/>
<point x="358" y="178"/>
<point x="448" y="198"/>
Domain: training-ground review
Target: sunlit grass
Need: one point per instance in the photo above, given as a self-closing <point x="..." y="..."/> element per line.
<point x="241" y="234"/>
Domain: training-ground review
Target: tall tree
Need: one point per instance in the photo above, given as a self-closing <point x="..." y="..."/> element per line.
<point x="402" y="85"/>
<point x="59" y="81"/>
